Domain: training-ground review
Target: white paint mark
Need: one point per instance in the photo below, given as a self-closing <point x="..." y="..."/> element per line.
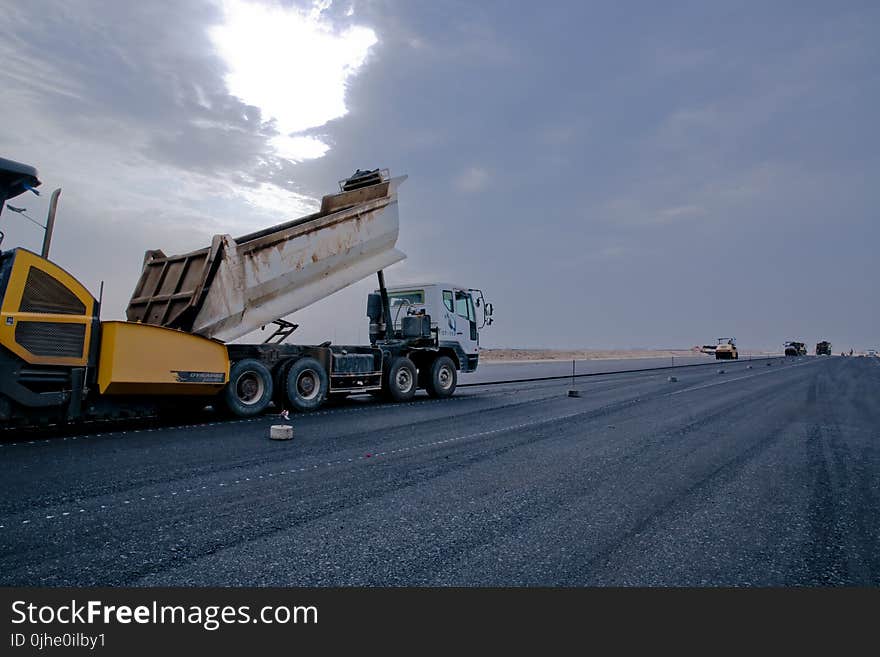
<point x="739" y="378"/>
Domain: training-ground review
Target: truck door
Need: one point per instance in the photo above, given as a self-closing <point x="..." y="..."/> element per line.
<point x="466" y="322"/>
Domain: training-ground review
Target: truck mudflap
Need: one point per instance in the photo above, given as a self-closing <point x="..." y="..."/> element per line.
<point x="466" y="362"/>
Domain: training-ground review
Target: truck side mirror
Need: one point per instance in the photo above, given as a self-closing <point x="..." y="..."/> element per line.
<point x="489" y="310"/>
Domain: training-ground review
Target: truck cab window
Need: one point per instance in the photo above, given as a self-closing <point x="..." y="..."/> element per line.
<point x="464" y="305"/>
<point x="447" y="301"/>
<point x="413" y="297"/>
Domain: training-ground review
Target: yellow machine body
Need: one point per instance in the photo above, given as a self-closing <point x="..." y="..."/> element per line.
<point x="726" y="351"/>
<point x="142" y="359"/>
<point x="46" y="315"/>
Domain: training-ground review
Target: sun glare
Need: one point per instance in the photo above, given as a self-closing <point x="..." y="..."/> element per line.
<point x="293" y="64"/>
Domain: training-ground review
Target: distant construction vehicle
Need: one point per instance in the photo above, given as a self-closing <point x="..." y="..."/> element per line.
<point x="59" y="362"/>
<point x="793" y="348"/>
<point x="726" y="349"/>
<point x="823" y="348"/>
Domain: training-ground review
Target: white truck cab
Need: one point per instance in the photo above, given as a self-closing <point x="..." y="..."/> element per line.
<point x="453" y="310"/>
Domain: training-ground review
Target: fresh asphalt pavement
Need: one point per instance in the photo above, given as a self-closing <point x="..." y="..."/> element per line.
<point x="762" y="475"/>
<point x="506" y="371"/>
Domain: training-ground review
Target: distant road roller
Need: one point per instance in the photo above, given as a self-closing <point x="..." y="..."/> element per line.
<point x="726" y="349"/>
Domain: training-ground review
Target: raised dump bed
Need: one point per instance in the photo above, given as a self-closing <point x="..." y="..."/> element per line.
<point x="236" y="286"/>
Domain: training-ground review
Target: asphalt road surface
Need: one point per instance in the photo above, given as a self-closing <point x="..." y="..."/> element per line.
<point x="762" y="475"/>
<point x="505" y="371"/>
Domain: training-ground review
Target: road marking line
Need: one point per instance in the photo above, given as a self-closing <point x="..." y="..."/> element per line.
<point x="739" y="378"/>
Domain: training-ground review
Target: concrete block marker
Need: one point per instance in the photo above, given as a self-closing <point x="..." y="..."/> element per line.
<point x="574" y="393"/>
<point x="672" y="379"/>
<point x="281" y="432"/>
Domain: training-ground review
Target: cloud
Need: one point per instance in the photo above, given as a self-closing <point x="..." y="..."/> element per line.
<point x="130" y="112"/>
<point x="648" y="210"/>
<point x="292" y="63"/>
<point x="681" y="212"/>
<point x="473" y="179"/>
<point x="617" y="146"/>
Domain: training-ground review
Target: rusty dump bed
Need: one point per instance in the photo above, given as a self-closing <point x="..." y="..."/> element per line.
<point x="235" y="286"/>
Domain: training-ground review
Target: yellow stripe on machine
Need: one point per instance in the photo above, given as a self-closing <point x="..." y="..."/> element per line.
<point x="142" y="359"/>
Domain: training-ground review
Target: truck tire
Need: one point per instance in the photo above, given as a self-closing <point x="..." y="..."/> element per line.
<point x="399" y="381"/>
<point x="249" y="390"/>
<point x="442" y="378"/>
<point x="306" y="385"/>
<point x="279" y="380"/>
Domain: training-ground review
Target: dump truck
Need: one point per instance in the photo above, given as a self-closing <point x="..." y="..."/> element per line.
<point x="725" y="349"/>
<point x="823" y="348"/>
<point x="175" y="351"/>
<point x="794" y="348"/>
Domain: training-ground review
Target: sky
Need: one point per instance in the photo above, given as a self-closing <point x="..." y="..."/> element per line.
<point x="610" y="174"/>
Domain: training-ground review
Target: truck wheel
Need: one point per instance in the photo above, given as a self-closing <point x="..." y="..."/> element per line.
<point x="307" y="384"/>
<point x="399" y="382"/>
<point x="249" y="390"/>
<point x="442" y="378"/>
